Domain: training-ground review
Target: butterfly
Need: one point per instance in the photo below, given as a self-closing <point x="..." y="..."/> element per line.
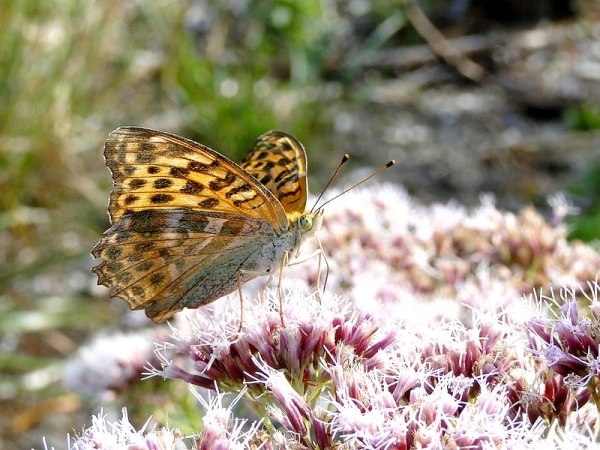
<point x="189" y="226"/>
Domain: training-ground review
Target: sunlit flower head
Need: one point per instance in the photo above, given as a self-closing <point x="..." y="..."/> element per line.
<point x="312" y="330"/>
<point x="121" y="434"/>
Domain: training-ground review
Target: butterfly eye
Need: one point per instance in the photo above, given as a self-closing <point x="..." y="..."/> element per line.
<point x="305" y="222"/>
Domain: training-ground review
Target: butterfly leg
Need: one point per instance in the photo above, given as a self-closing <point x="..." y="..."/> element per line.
<point x="239" y="286"/>
<point x="239" y="283"/>
<point x="318" y="289"/>
<point x="322" y="257"/>
<point x="284" y="262"/>
<point x="264" y="289"/>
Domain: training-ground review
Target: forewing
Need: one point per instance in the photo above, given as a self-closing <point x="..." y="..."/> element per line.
<point x="278" y="161"/>
<point x="164" y="261"/>
<point x="153" y="170"/>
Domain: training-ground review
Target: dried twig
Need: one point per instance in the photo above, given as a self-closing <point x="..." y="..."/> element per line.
<point x="440" y="44"/>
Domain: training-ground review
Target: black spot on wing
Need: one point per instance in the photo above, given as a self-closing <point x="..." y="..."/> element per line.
<point x="220" y="183"/>
<point x="137" y="290"/>
<point x="129" y="170"/>
<point x="130" y="199"/>
<point x="162" y="183"/>
<point x="159" y="199"/>
<point x="236" y="190"/>
<point x="209" y="203"/>
<point x="123" y="278"/>
<point x="113" y="267"/>
<point x="113" y="253"/>
<point x="195" y="166"/>
<point x="136" y="183"/>
<point x="191" y="187"/>
<point x="240" y="203"/>
<point x="156" y="278"/>
<point x="142" y="247"/>
<point x="147" y="147"/>
<point x="293" y="193"/>
<point x="179" y="172"/>
<point x="144" y="267"/>
<point x="145" y="158"/>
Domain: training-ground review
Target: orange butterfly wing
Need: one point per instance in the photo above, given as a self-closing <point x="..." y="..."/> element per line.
<point x="278" y="161"/>
<point x="186" y="220"/>
<point x="157" y="170"/>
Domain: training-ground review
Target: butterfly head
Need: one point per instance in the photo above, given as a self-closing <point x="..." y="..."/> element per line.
<point x="309" y="224"/>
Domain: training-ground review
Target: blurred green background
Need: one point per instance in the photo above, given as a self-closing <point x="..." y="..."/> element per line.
<point x="350" y="76"/>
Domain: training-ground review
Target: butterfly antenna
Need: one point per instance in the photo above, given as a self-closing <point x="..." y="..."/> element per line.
<point x="345" y="159"/>
<point x="381" y="169"/>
